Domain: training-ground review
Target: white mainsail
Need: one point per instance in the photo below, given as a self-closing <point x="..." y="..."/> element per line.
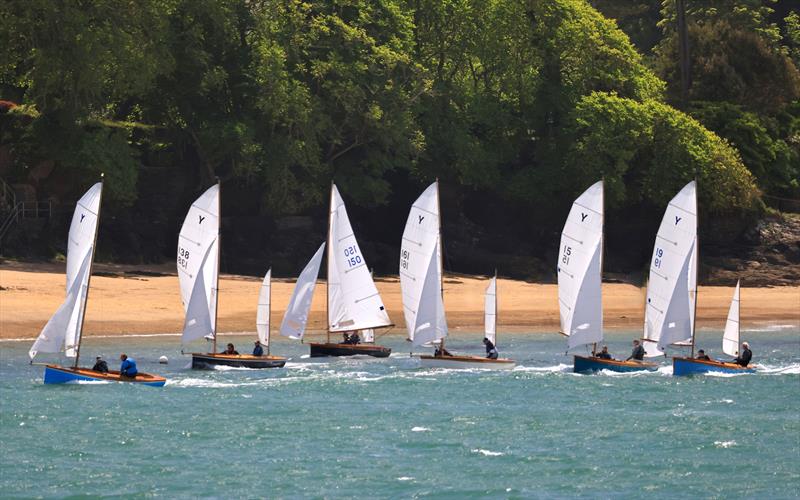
<point x="730" y="339"/>
<point x="580" y="269"/>
<point x="263" y="309"/>
<point x="64" y="328"/>
<point x="353" y="300"/>
<point x="490" y="311"/>
<point x="198" y="265"/>
<point x="420" y="270"/>
<point x="296" y="316"/>
<point x="670" y="290"/>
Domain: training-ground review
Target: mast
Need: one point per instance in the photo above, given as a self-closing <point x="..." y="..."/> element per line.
<point x="89" y="278"/>
<point x="219" y="247"/>
<point x="495" y="306"/>
<point x="441" y="253"/>
<point x="602" y="251"/>
<point x="696" y="264"/>
<point x="331" y="213"/>
<point x="269" y="313"/>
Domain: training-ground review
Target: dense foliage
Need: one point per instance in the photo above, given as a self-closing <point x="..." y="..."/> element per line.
<point x="516" y="105"/>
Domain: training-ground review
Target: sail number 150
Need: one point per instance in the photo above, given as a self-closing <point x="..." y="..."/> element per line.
<point x="351" y="256"/>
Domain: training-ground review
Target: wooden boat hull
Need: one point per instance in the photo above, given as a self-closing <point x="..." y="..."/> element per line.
<point x="689" y="366"/>
<point x="208" y="361"/>
<point x="54" y="374"/>
<point x="331" y="349"/>
<point x="589" y="364"/>
<point x="467" y="362"/>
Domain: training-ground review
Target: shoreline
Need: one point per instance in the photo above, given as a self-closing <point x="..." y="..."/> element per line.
<point x="145" y="301"/>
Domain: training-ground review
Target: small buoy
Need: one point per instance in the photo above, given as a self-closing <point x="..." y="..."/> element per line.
<point x="163" y="360"/>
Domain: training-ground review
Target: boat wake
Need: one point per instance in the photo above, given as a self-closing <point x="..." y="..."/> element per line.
<point x="559" y="368"/>
<point x="793" y="369"/>
<point x="487" y="453"/>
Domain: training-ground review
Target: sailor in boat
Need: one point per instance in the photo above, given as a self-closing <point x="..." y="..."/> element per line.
<point x="603" y="354"/>
<point x="230" y="350"/>
<point x="441" y="351"/>
<point x="355" y="339"/>
<point x="128" y="366"/>
<point x="258" y="350"/>
<point x="746" y="355"/>
<point x="100" y="365"/>
<point x="701" y="355"/>
<point x="637" y="354"/>
<point x="491" y="350"/>
<point x="345" y="338"/>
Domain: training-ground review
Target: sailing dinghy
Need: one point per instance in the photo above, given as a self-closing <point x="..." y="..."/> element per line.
<point x="64" y="329"/>
<point x="730" y="346"/>
<point x="198" y="273"/>
<point x="580" y="269"/>
<point x="422" y="287"/>
<point x="354" y="304"/>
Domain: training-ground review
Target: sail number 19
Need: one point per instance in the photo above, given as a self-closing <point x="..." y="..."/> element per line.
<point x="657" y="260"/>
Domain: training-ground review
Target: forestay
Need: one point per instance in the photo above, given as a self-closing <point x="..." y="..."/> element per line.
<point x="730" y="339"/>
<point x="420" y="266"/>
<point x="263" y="309"/>
<point x="580" y="269"/>
<point x="670" y="290"/>
<point x="64" y="328"/>
<point x="198" y="266"/>
<point x="296" y="316"/>
<point x="353" y="300"/>
<point x="490" y="311"/>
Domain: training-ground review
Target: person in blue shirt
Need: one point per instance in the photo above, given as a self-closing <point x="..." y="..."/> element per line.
<point x="258" y="350"/>
<point x="603" y="354"/>
<point x="128" y="366"/>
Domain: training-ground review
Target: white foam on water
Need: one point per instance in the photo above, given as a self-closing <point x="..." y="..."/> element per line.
<point x="88" y="382"/>
<point x="420" y="429"/>
<point x="723" y="375"/>
<point x="405" y="478"/>
<point x="561" y="367"/>
<point x="793" y="369"/>
<point x="726" y="401"/>
<point x="206" y="383"/>
<point x="772" y="328"/>
<point x="724" y="444"/>
<point x="487" y="453"/>
<point x="222" y="368"/>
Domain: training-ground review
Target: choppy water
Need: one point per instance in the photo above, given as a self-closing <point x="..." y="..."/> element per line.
<point x="385" y="428"/>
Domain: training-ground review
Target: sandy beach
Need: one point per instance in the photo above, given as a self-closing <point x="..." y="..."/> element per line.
<point x="145" y="300"/>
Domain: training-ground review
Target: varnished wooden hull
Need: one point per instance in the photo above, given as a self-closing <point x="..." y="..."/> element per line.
<point x="331" y="349"/>
<point x="54" y="374"/>
<point x="466" y="362"/>
<point x="689" y="366"/>
<point x="589" y="364"/>
<point x="208" y="361"/>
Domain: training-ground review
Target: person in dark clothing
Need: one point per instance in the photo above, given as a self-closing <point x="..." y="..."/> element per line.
<point x="345" y="338"/>
<point x="230" y="350"/>
<point x="637" y="354"/>
<point x="744" y="357"/>
<point x="701" y="355"/>
<point x="603" y="354"/>
<point x="441" y="351"/>
<point x="128" y="366"/>
<point x="491" y="350"/>
<point x="100" y="365"/>
<point x="258" y="350"/>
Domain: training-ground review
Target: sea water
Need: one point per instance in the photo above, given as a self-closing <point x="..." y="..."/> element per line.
<point x="373" y="428"/>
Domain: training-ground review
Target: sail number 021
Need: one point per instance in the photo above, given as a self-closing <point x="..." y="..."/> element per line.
<point x="351" y="256"/>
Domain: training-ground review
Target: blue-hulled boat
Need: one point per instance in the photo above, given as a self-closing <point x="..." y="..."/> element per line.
<point x="54" y="374"/>
<point x="689" y="366"/>
<point x="589" y="364"/>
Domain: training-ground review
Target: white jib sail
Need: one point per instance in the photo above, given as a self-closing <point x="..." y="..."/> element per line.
<point x="64" y="328"/>
<point x="197" y="261"/>
<point x="353" y="300"/>
<point x="670" y="297"/>
<point x="730" y="339"/>
<point x="490" y="311"/>
<point x="263" y="309"/>
<point x="418" y="249"/>
<point x="296" y="316"/>
<point x="580" y="269"/>
<point x="430" y="324"/>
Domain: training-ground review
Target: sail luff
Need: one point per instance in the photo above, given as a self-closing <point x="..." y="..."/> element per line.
<point x="85" y="295"/>
<point x="731" y="335"/>
<point x="219" y="250"/>
<point x="330" y="264"/>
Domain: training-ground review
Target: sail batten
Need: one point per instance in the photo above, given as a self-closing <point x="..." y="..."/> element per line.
<point x="669" y="311"/>
<point x="580" y="269"/>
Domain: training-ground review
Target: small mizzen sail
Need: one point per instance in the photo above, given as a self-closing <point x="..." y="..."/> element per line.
<point x="490" y="311"/>
<point x="421" y="272"/>
<point x="296" y="316"/>
<point x="730" y="339"/>
<point x="263" y="308"/>
<point x="198" y="269"/>
<point x="353" y="300"/>
<point x="63" y="331"/>
<point x="580" y="269"/>
<point x="671" y="288"/>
